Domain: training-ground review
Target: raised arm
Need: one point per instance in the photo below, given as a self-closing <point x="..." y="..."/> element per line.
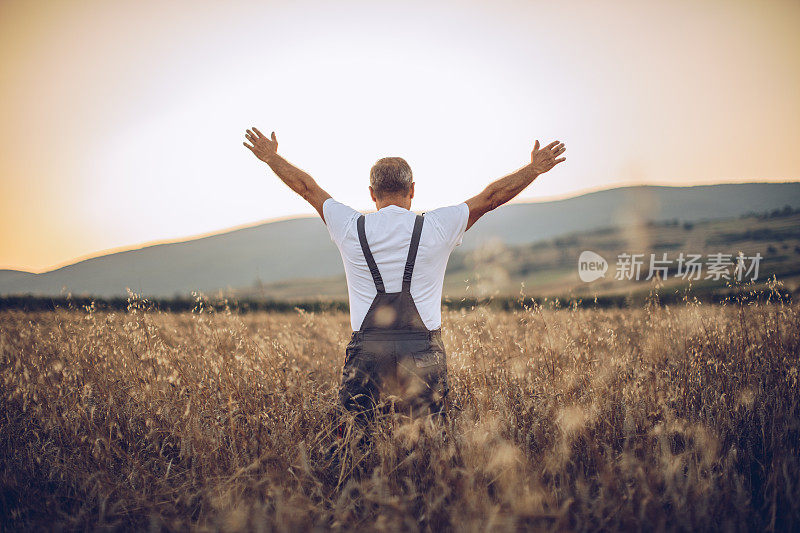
<point x="266" y="149"/>
<point x="501" y="191"/>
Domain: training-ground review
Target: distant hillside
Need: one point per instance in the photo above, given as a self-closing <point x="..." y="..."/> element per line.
<point x="549" y="267"/>
<point x="280" y="253"/>
<point x="526" y="223"/>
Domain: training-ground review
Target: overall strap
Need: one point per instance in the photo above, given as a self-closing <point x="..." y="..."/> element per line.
<point x="373" y="267"/>
<point x="412" y="253"/>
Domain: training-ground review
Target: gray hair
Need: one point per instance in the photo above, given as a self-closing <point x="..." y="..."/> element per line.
<point x="390" y="175"/>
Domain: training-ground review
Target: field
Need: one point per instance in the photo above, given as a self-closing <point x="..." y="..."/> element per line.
<point x="660" y="417"/>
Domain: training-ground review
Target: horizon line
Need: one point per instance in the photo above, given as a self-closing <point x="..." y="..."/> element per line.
<point x="230" y="229"/>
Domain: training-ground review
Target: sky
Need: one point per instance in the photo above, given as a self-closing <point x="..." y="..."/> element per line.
<point x="122" y="123"/>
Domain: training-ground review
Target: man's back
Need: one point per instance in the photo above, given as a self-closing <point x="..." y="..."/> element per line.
<point x="388" y="232"/>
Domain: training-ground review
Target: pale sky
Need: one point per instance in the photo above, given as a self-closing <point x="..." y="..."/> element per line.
<point x="122" y="122"/>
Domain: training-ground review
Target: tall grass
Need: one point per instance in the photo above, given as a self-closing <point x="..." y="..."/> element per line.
<point x="663" y="417"/>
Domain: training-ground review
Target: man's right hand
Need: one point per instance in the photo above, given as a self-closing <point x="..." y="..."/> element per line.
<point x="545" y="159"/>
<point x="501" y="191"/>
<point x="263" y="147"/>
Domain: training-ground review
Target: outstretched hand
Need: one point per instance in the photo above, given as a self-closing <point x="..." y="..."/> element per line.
<point x="263" y="147"/>
<point x="545" y="159"/>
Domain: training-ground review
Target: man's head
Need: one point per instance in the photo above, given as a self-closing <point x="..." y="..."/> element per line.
<point x="391" y="182"/>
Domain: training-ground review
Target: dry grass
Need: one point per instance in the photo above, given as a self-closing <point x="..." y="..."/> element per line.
<point x="681" y="417"/>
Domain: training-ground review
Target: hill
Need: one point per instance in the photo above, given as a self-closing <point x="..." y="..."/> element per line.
<point x="286" y="252"/>
<point x="550" y="267"/>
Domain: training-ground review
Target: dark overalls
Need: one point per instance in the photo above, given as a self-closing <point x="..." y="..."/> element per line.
<point x="394" y="353"/>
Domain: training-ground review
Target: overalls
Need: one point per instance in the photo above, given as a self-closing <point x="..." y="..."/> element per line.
<point x="394" y="353"/>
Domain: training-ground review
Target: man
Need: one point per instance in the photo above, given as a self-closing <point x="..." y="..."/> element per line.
<point x="394" y="262"/>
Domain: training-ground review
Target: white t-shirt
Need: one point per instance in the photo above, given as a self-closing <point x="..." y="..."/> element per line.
<point x="388" y="233"/>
